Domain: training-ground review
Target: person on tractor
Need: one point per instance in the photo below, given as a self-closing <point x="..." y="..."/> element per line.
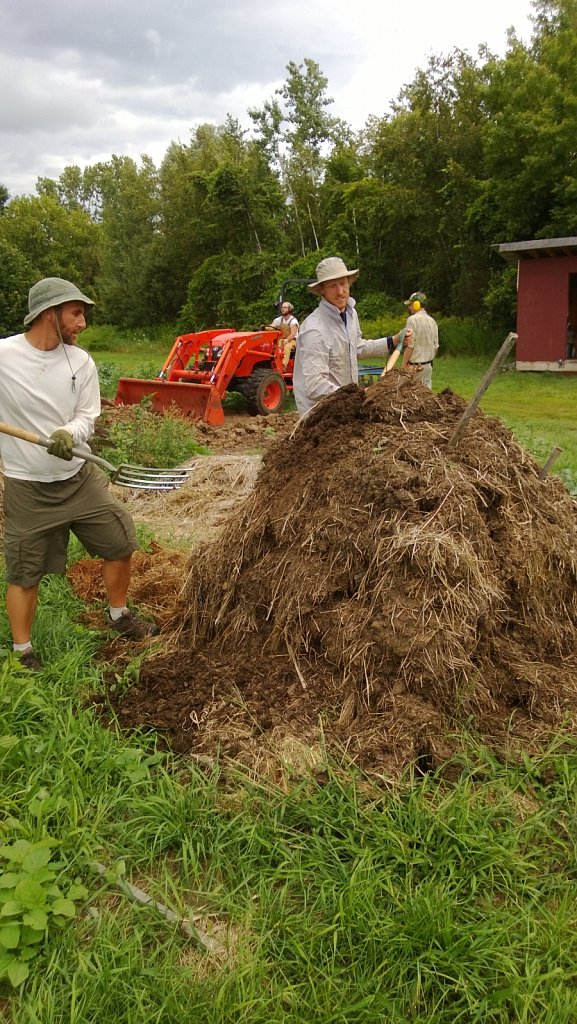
<point x="329" y="342"/>
<point x="288" y="325"/>
<point x="49" y="387"/>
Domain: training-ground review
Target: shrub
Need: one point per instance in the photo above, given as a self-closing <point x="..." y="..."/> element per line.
<point x="378" y="306"/>
<point x="467" y="337"/>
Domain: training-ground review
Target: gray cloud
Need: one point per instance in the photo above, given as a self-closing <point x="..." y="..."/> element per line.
<point x="81" y="81"/>
<point x="213" y="44"/>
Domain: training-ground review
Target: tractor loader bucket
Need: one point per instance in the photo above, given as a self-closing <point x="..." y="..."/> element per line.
<point x="202" y="401"/>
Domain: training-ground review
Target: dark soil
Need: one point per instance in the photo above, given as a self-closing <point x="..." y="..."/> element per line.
<point x="242" y="433"/>
<point x="379" y="593"/>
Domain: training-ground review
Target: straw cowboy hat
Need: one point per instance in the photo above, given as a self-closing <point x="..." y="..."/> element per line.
<point x="331" y="269"/>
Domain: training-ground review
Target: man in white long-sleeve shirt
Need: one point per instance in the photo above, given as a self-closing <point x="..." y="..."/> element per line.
<point x="330" y="342"/>
<point x="49" y="387"/>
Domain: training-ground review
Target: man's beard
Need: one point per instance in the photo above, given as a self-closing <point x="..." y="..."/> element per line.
<point x="66" y="337"/>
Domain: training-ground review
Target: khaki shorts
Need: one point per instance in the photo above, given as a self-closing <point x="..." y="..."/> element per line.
<point x="39" y="518"/>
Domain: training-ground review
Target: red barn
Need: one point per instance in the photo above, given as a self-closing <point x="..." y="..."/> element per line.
<point x="546" y="302"/>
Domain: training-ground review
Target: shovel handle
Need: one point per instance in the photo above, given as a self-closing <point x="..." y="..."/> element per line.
<point x="391" y="361"/>
<point x="27" y="435"/>
<point x="491" y="372"/>
<point x="394" y="356"/>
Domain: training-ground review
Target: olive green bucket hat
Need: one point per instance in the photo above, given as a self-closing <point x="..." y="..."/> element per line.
<point x="52" y="291"/>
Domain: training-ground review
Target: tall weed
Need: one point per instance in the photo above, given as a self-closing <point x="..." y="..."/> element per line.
<point x="468" y="337"/>
<point x="109" y="373"/>
<point x="144" y="437"/>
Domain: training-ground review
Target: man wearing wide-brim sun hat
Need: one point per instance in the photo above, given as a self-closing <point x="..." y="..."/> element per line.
<point x="329" y="342"/>
<point x="425" y="338"/>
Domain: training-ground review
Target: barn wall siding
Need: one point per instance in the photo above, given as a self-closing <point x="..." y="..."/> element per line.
<point x="542" y="307"/>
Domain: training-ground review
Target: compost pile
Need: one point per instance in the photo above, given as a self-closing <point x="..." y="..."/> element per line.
<point x="378" y="592"/>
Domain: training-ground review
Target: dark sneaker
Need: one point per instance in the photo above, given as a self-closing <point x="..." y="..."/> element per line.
<point x="29" y="660"/>
<point x="133" y="626"/>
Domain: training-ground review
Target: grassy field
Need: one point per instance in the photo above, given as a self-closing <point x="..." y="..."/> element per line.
<point x="538" y="407"/>
<point x="330" y="899"/>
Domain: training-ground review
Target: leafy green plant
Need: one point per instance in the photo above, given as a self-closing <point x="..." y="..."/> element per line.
<point x="381" y="327"/>
<point x="140" y="435"/>
<point x="468" y="337"/>
<point x="30" y="903"/>
<point x="569" y="478"/>
<point x="108" y="374"/>
<point x="377" y="305"/>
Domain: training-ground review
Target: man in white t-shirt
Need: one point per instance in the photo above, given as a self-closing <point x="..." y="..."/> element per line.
<point x="289" y="325"/>
<point x="49" y="387"/>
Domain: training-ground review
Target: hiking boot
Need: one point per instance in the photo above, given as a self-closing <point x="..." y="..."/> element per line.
<point x="29" y="660"/>
<point x="131" y="625"/>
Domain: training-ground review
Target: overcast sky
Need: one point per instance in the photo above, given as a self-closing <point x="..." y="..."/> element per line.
<point x="82" y="81"/>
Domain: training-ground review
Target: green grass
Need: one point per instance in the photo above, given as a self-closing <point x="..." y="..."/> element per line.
<point x="341" y="901"/>
<point x="129" y="341"/>
<point x="537" y="407"/>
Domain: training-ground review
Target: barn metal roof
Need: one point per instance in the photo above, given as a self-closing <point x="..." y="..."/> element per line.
<point x="535" y="248"/>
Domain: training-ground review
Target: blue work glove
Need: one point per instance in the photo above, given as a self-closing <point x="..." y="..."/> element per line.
<point x="60" y="444"/>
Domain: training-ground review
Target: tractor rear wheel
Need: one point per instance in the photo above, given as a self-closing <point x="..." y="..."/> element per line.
<point x="264" y="390"/>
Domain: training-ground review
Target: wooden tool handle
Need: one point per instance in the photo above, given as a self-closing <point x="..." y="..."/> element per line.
<point x="391" y="361"/>
<point x="394" y="356"/>
<point x="555" y="453"/>
<point x="79" y="453"/>
<point x="24" y="435"/>
<point x="472" y="406"/>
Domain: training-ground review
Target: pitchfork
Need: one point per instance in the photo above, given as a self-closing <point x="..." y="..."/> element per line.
<point x="145" y="478"/>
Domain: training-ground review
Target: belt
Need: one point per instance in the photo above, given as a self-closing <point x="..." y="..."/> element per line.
<point x="425" y="362"/>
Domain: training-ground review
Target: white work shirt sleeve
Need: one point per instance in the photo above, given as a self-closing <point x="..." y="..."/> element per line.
<point x="374" y="347"/>
<point x="315" y="350"/>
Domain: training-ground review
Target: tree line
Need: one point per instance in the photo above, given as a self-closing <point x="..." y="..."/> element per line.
<point x="473" y="152"/>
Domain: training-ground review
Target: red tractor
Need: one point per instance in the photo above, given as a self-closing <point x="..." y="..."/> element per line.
<point x="202" y="367"/>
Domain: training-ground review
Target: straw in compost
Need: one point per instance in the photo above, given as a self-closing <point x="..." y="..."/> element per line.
<point x="196" y="510"/>
<point x="380" y="589"/>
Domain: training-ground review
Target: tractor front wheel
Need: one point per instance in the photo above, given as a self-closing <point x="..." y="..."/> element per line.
<point x="265" y="391"/>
